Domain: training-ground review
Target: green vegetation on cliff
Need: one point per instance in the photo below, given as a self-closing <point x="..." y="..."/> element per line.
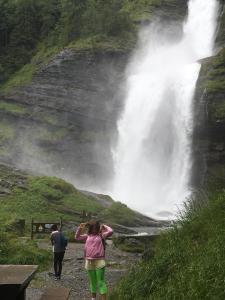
<point x="33" y="31"/>
<point x="212" y="81"/>
<point x="16" y="250"/>
<point x="12" y="108"/>
<point x="24" y="196"/>
<point x="6" y="132"/>
<point x="216" y="73"/>
<point x="189" y="261"/>
<point x="45" y="198"/>
<point x="41" y="198"/>
<point x="220" y="39"/>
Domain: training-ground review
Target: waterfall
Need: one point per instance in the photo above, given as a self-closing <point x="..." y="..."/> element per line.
<point x="152" y="159"/>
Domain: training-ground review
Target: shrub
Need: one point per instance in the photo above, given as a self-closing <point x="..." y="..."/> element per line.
<point x="14" y="250"/>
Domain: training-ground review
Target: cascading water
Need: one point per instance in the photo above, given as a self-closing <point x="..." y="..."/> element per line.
<point x="153" y="155"/>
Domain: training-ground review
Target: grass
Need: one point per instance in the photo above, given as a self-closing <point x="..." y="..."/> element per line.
<point x="99" y="42"/>
<point x="49" y="198"/>
<point x="119" y="213"/>
<point x="143" y="10"/>
<point x="22" y="251"/>
<point x="215" y="71"/>
<point x="20" y="78"/>
<point x="189" y="261"/>
<point x="12" y="108"/>
<point x="45" y="198"/>
<point x="46" y="53"/>
<point x="25" y="75"/>
<point x="212" y="81"/>
<point x="139" y="9"/>
<point x="7" y="131"/>
<point x="216" y="178"/>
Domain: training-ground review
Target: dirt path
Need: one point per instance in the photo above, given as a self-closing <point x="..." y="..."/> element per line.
<point x="74" y="276"/>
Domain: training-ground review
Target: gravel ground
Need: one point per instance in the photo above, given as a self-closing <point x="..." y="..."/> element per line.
<point x="74" y="275"/>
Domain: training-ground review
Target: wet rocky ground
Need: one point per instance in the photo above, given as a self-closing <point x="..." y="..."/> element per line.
<point x="74" y="275"/>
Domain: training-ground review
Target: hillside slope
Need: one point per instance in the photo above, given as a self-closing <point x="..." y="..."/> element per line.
<point x="25" y="196"/>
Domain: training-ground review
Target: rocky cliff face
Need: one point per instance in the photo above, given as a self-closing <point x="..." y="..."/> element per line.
<point x="209" y="134"/>
<point x="172" y="10"/>
<point x="64" y="122"/>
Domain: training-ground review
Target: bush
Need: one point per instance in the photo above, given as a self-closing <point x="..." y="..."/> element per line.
<point x="22" y="251"/>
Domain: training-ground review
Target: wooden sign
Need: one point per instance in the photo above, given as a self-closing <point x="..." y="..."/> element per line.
<point x="43" y="227"/>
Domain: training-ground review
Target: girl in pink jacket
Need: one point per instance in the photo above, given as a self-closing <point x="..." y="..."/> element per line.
<point x="94" y="252"/>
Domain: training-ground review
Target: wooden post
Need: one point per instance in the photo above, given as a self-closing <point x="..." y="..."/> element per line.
<point x="21" y="224"/>
<point x="32" y="229"/>
<point x="60" y="223"/>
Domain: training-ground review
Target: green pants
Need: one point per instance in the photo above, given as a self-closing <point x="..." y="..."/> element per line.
<point x="97" y="280"/>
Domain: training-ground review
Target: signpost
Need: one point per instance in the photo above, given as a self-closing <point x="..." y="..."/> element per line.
<point x="43" y="227"/>
<point x="86" y="216"/>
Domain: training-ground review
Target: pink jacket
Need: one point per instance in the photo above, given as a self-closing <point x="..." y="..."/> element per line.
<point x="94" y="248"/>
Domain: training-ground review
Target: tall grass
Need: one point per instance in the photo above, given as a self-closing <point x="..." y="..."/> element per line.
<point x="189" y="260"/>
<point x="22" y="251"/>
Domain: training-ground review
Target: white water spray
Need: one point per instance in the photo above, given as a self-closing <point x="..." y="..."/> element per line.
<point x="153" y="155"/>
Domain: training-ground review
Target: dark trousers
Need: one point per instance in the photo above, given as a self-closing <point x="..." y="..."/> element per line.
<point x="58" y="258"/>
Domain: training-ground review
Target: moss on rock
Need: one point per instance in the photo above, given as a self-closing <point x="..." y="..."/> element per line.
<point x="7" y="131"/>
<point x="13" y="108"/>
<point x="212" y="81"/>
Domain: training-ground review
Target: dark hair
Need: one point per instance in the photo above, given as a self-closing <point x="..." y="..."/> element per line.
<point x="93" y="227"/>
<point x="54" y="227"/>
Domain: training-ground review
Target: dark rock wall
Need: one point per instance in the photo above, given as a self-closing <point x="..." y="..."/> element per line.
<point x="220" y="38"/>
<point x="209" y="133"/>
<point x="172" y="10"/>
<point x="64" y="122"/>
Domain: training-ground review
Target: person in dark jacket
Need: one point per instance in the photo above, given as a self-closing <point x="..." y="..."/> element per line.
<point x="58" y="250"/>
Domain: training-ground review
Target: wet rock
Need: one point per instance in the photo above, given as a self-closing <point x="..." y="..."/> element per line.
<point x="72" y="106"/>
